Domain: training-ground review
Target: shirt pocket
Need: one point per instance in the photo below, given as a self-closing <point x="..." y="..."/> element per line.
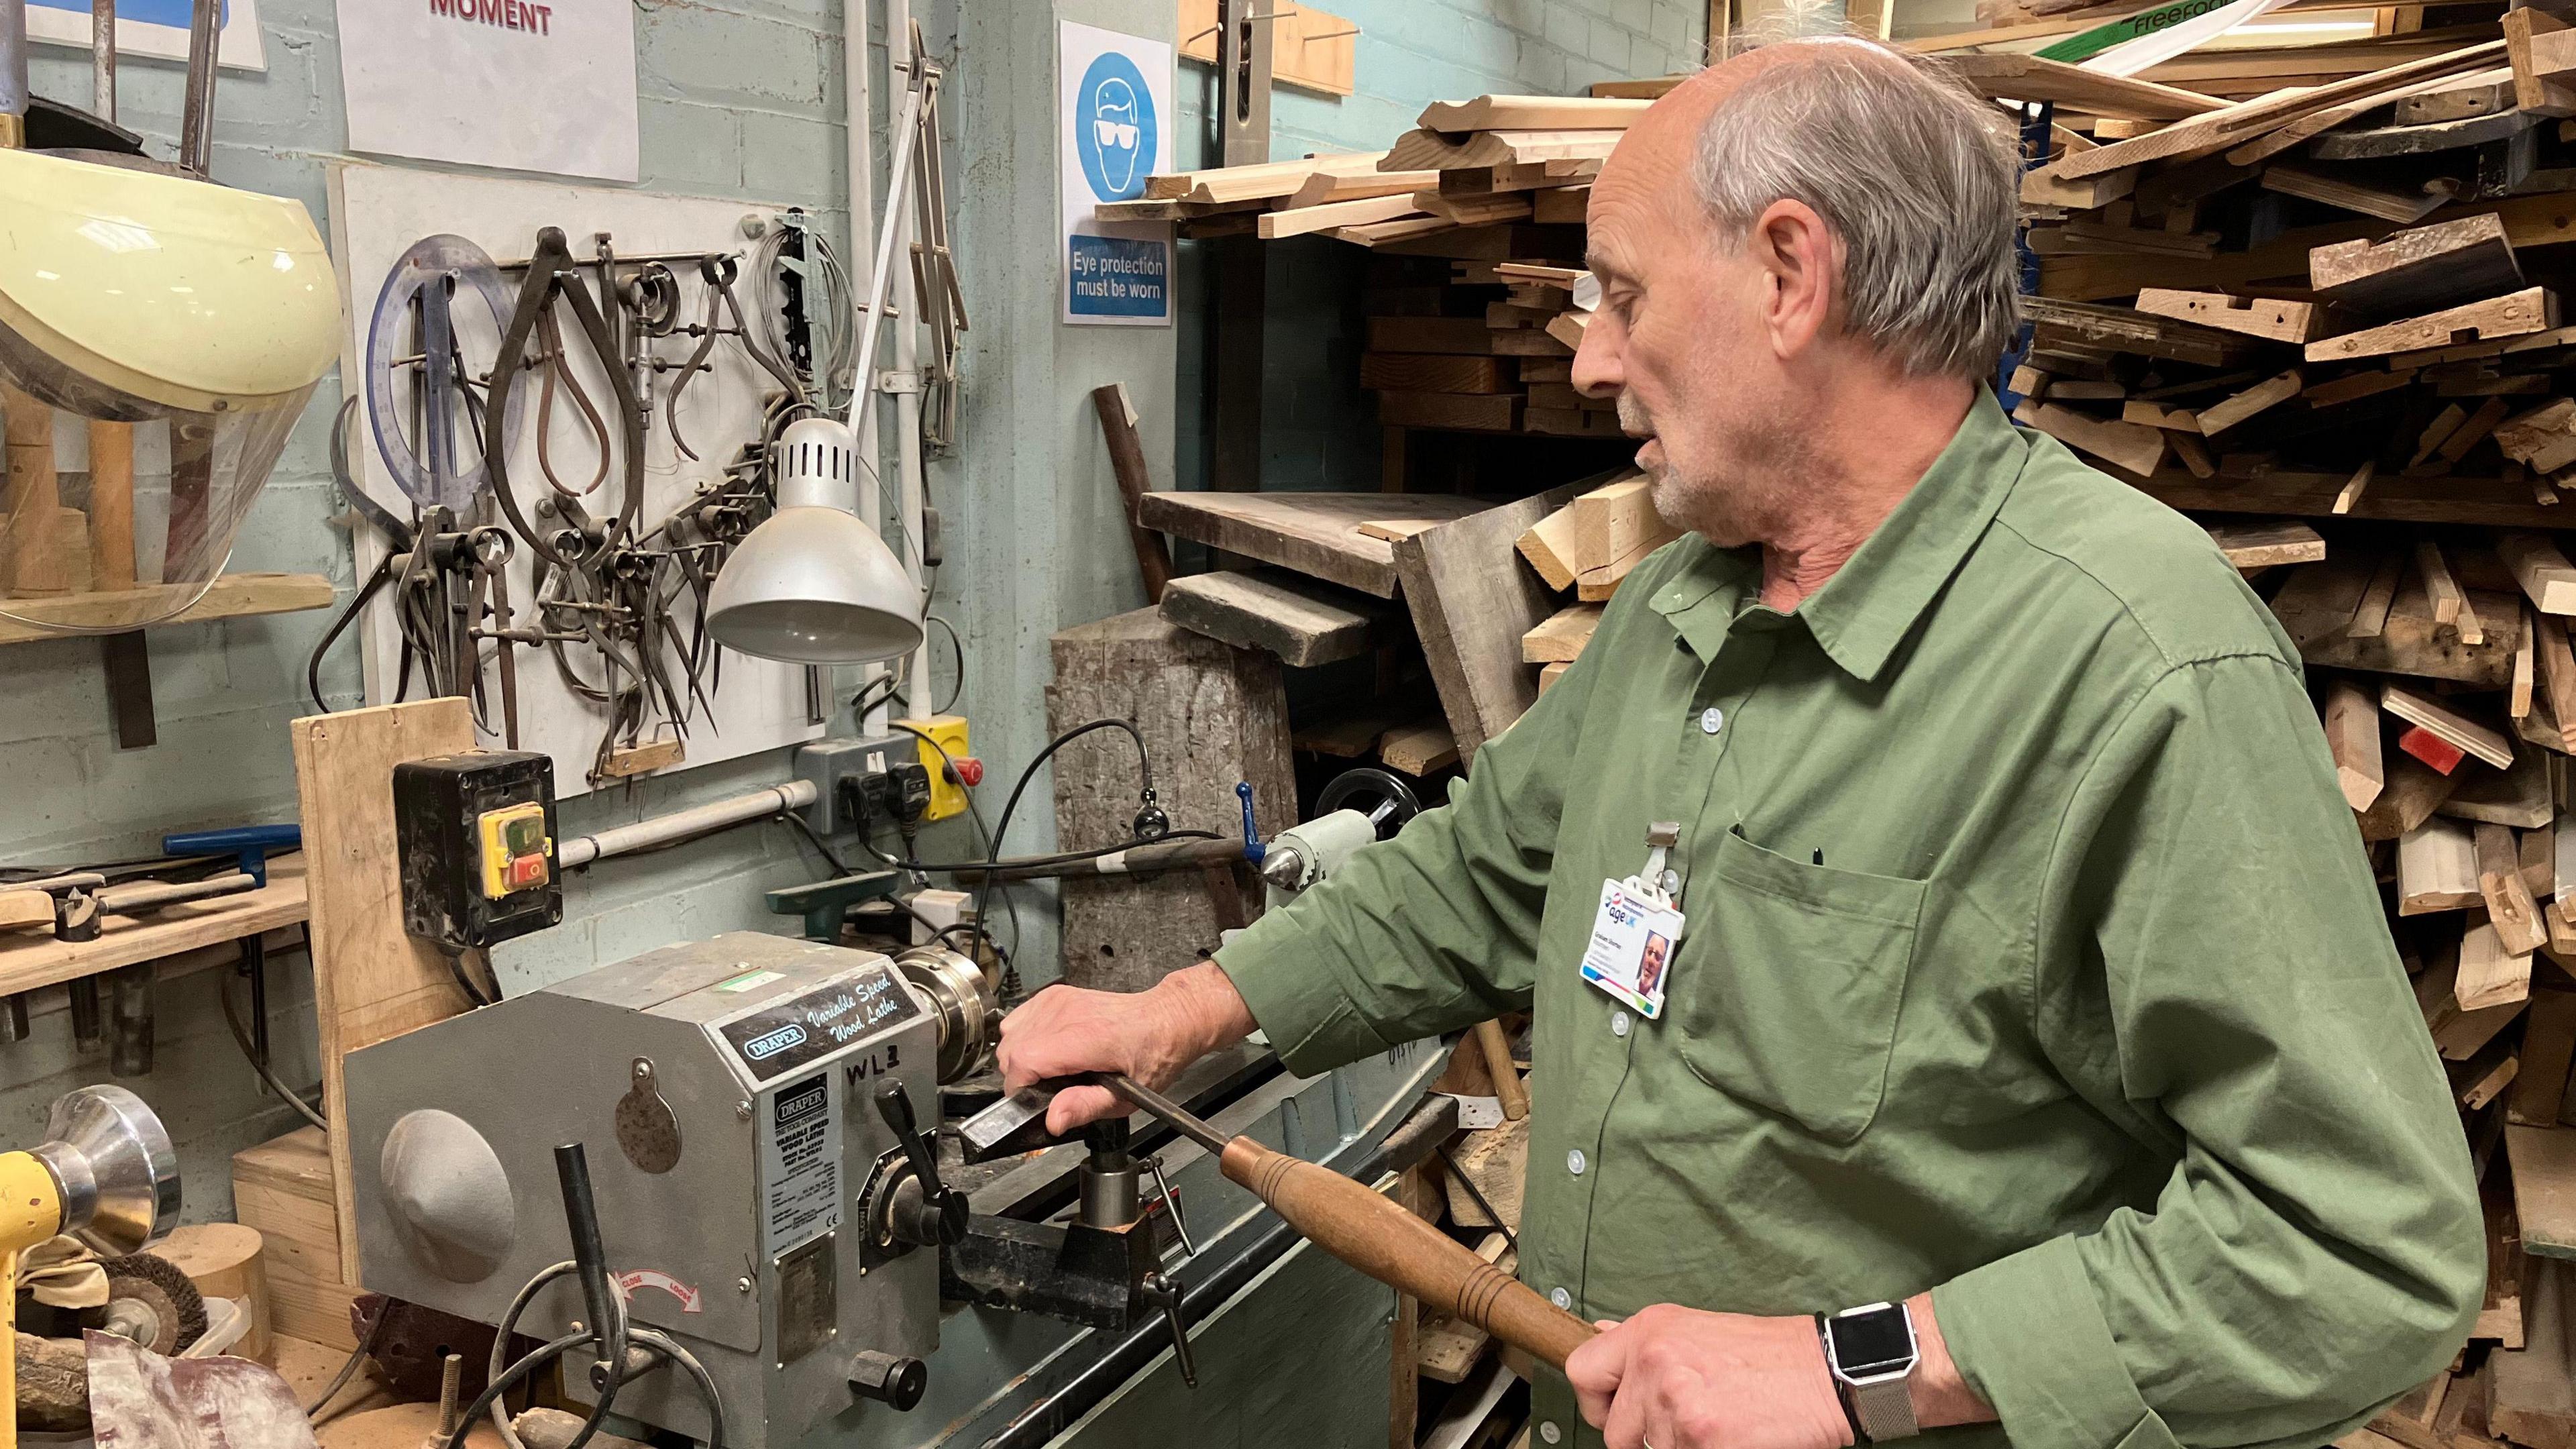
<point x="1790" y="1001"/>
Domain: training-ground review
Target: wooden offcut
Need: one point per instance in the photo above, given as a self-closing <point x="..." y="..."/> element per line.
<point x="2352" y="736"/>
<point x="2533" y="309"/>
<point x="1318" y="534"/>
<point x="1560" y="637"/>
<point x="2451" y="726"/>
<point x="2266" y="317"/>
<point x="1303" y="622"/>
<point x="1117" y="414"/>
<point x="1471" y="604"/>
<point x="372" y="980"/>
<point x="2123" y="445"/>
<point x="285" y="1190"/>
<point x="1534" y="113"/>
<point x="1436" y="372"/>
<point x="2541" y="569"/>
<point x="32" y="563"/>
<point x="2417" y="270"/>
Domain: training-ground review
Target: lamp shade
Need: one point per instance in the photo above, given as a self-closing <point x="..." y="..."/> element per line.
<point x="814" y="585"/>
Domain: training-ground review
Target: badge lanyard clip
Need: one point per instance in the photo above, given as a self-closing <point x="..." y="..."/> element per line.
<point x="1661" y="837"/>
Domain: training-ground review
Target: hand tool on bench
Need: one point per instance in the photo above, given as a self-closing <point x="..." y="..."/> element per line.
<point x="1376" y="1235"/>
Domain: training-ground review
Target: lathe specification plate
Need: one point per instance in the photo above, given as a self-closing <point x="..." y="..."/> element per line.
<point x="788" y="1036"/>
<point x="802" y="1171"/>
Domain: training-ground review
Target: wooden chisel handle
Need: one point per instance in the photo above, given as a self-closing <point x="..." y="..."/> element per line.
<point x="1380" y="1238"/>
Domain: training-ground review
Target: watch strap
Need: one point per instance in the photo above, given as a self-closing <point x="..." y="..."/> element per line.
<point x="1842" y="1391"/>
<point x="1883" y="1408"/>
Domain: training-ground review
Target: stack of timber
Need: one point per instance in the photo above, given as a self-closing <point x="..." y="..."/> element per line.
<point x="2320" y="313"/>
<point x="1476" y="295"/>
<point x="1585" y="549"/>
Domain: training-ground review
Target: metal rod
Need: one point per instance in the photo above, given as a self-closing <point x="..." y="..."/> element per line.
<point x="197" y="117"/>
<point x="13" y="74"/>
<point x="682" y="824"/>
<point x="1172" y="1113"/>
<point x="881" y="273"/>
<point x="102" y="59"/>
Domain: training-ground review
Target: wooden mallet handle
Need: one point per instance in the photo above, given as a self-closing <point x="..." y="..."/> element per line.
<point x="1380" y="1238"/>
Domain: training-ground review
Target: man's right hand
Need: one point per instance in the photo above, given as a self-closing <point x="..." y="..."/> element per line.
<point x="1148" y="1035"/>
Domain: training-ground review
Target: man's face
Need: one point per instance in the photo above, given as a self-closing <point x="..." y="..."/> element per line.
<point x="1680" y="337"/>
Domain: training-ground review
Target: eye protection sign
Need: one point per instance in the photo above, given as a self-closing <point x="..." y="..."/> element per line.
<point x="1114" y="102"/>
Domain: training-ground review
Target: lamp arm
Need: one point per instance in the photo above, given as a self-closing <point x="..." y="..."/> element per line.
<point x="881" y="278"/>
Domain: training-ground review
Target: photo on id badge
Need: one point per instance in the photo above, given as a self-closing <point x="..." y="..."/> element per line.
<point x="1650" y="969"/>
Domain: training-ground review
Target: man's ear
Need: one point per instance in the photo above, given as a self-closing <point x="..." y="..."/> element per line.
<point x="1796" y="253"/>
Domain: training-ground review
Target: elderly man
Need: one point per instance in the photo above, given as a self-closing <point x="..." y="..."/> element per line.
<point x="2031" y="1048"/>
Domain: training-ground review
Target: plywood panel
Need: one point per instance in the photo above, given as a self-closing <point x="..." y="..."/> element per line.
<point x="371" y="980"/>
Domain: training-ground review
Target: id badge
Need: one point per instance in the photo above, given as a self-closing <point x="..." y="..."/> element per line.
<point x="1631" y="953"/>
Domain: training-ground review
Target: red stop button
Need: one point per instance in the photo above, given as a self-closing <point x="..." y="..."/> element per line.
<point x="970" y="771"/>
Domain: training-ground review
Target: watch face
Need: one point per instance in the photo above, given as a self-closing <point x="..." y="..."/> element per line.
<point x="1875" y="1341"/>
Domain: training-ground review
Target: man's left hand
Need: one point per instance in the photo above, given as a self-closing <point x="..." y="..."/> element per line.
<point x="1678" y="1378"/>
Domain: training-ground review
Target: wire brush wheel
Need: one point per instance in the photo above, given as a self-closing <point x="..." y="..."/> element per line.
<point x="152" y="1302"/>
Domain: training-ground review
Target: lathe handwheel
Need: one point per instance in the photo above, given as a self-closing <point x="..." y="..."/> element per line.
<point x="1381" y="795"/>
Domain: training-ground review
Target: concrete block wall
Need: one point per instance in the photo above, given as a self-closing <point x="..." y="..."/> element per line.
<point x="1318" y="427"/>
<point x="738" y="98"/>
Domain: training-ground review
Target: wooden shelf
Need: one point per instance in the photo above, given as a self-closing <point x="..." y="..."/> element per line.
<point x="33" y="958"/>
<point x="233" y="596"/>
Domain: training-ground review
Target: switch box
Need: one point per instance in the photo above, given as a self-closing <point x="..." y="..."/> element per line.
<point x="475" y="834"/>
<point x="947" y="794"/>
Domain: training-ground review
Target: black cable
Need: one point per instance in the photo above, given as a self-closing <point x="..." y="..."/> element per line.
<point x="241" y="1038"/>
<point x="474" y="997"/>
<point x="357" y="1356"/>
<point x="957" y="649"/>
<point x="1021" y="862"/>
<point x="821" y="846"/>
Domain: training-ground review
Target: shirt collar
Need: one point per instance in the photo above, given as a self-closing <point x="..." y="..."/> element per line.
<point x="1866" y="609"/>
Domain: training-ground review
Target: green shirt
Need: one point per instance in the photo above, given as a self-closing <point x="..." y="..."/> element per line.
<point x="2032" y="957"/>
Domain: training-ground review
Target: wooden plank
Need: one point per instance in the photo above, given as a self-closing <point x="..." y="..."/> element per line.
<point x="2318" y="611"/>
<point x="2529" y="1396"/>
<point x="2370" y="616"/>
<point x="231" y="596"/>
<point x="2542" y="439"/>
<point x="2029" y="78"/>
<point x="2352" y="736"/>
<point x="2125" y="329"/>
<point x="2544" y="1198"/>
<point x="1597" y="585"/>
<point x="2269" y="393"/>
<point x="2127" y="445"/>
<point x="2414" y="791"/>
<point x="2543" y="572"/>
<point x="1117" y="415"/>
<point x="1259" y="182"/>
<point x="1435" y="372"/>
<point x="1455" y="335"/>
<point x="2516" y="797"/>
<point x="2216" y="130"/>
<point x="1421" y="150"/>
<point x="1560" y="637"/>
<point x="1419" y="748"/>
<point x="372" y="980"/>
<point x="2437" y="868"/>
<point x="1317" y="534"/>
<point x="2458" y="1035"/>
<point x="1471" y="412"/>
<point x="2557" y="677"/>
<point x="1471" y="606"/>
<point x="2548" y="1048"/>
<point x="2267" y="317"/>
<point x="2450" y="601"/>
<point x="1535" y="113"/>
<point x="2512" y="917"/>
<point x="2533" y="309"/>
<point x="2541" y="92"/>
<point x="1275" y="225"/>
<point x="2262" y="545"/>
<point x="1302" y="622"/>
<point x="2386" y="203"/>
<point x="1325" y="188"/>
<point x="2452" y="727"/>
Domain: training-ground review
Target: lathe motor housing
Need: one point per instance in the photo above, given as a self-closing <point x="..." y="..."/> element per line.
<point x="722" y="1091"/>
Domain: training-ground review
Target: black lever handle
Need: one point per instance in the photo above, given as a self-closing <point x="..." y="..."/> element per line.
<point x="1164" y="1292"/>
<point x="941" y="1217"/>
<point x="589" y="1255"/>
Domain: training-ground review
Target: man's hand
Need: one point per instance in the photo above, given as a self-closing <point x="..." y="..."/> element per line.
<point x="1148" y="1035"/>
<point x="1678" y="1378"/>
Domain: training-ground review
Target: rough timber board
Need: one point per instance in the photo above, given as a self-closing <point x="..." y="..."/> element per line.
<point x="2029" y="78"/>
<point x="1213" y="715"/>
<point x="1302" y="622"/>
<point x="1313" y="533"/>
<point x="2544" y="1187"/>
<point x="2533" y="309"/>
<point x="371" y="979"/>
<point x="1472" y="599"/>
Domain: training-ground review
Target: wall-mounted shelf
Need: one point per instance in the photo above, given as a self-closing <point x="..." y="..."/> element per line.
<point x="128" y="657"/>
<point x="233" y="596"/>
<point x="33" y="958"/>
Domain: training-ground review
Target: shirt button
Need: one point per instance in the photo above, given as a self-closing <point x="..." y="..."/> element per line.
<point x="1618" y="1023"/>
<point x="1710" y="718"/>
<point x="1574" y="1162"/>
<point x="1561" y="1299"/>
<point x="1548" y="1431"/>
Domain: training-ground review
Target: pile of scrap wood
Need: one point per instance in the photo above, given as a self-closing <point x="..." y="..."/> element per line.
<point x="1587" y="547"/>
<point x="2323" y="319"/>
<point x="1452" y="1386"/>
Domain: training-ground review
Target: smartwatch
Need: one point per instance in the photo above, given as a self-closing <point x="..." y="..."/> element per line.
<point x="1871" y="1353"/>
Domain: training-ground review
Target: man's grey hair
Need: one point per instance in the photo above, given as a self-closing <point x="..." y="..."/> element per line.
<point x="1914" y="176"/>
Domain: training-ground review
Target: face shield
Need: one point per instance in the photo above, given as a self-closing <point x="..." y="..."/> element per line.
<point x="159" y="337"/>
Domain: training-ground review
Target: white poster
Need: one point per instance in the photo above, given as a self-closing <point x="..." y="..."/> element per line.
<point x="157" y="28"/>
<point x="522" y="85"/>
<point x="1114" y="127"/>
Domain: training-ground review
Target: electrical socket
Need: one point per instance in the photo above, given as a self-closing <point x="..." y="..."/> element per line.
<point x="828" y="762"/>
